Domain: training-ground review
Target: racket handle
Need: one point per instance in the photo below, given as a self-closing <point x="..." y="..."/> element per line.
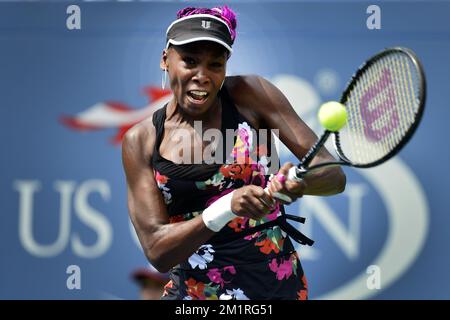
<point x="295" y="173"/>
<point x="282" y="196"/>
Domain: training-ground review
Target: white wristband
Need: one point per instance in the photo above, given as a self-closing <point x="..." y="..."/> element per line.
<point x="217" y="215"/>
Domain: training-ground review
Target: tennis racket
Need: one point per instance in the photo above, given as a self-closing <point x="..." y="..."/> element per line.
<point x="384" y="102"/>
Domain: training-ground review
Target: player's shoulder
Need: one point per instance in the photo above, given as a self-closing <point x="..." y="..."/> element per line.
<point x="249" y="87"/>
<point x="252" y="92"/>
<point x="140" y="138"/>
<point x="250" y="83"/>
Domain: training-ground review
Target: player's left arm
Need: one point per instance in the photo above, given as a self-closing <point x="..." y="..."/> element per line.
<point x="275" y="112"/>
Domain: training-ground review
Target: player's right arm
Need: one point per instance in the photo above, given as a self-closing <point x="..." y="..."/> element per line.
<point x="165" y="245"/>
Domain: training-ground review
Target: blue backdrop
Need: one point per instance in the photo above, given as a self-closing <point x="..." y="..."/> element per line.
<point x="63" y="194"/>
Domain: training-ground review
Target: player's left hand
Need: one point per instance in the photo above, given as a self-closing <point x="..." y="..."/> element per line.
<point x="280" y="183"/>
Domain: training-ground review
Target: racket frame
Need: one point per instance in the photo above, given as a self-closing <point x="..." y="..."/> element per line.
<point x="298" y="172"/>
<point x="418" y="116"/>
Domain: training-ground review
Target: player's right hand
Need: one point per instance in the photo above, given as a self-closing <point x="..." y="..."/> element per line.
<point x="251" y="201"/>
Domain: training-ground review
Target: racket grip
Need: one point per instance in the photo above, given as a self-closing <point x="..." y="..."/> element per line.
<point x="282" y="197"/>
<point x="278" y="196"/>
<point x="295" y="173"/>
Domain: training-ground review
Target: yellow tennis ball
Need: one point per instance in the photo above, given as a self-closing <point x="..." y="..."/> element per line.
<point x="332" y="115"/>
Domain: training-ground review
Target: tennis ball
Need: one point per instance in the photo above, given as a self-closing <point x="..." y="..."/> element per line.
<point x="332" y="115"/>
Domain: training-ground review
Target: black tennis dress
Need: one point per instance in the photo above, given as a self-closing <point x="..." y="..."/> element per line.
<point x="247" y="259"/>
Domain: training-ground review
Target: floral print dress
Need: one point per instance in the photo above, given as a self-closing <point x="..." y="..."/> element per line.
<point x="241" y="261"/>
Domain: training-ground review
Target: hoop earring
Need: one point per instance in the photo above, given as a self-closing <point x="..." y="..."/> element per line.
<point x="164" y="79"/>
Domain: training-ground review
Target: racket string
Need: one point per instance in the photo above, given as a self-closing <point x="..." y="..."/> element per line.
<point x="381" y="116"/>
<point x="404" y="96"/>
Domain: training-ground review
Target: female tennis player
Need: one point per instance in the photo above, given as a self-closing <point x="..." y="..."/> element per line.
<point x="210" y="223"/>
